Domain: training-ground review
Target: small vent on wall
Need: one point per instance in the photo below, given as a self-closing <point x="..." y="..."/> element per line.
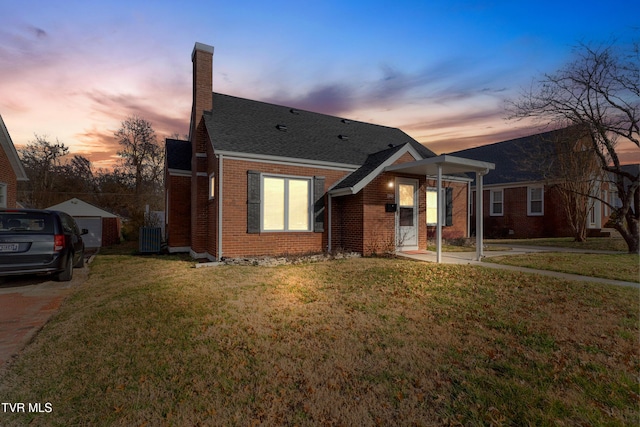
<point x="282" y="128"/>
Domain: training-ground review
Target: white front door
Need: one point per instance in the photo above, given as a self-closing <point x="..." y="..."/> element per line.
<point x="407" y="214"/>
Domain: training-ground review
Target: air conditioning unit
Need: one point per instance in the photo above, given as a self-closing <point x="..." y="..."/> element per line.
<point x="150" y="239"/>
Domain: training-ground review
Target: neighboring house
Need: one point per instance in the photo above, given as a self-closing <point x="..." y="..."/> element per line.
<point x="11" y="169"/>
<point x="104" y="227"/>
<point x="520" y="198"/>
<point x="262" y="179"/>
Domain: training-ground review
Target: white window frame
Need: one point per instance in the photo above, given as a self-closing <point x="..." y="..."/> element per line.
<point x="286" y="179"/>
<point x="212" y="186"/>
<point x="443" y="212"/>
<point x="3" y="195"/>
<point x="606" y="209"/>
<point x="492" y="202"/>
<point x="530" y="200"/>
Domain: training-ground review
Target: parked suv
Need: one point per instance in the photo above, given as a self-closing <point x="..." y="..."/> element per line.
<point x="40" y="241"/>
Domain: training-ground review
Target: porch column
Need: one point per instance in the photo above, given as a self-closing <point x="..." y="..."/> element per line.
<point x="479" y="217"/>
<point x="439" y="213"/>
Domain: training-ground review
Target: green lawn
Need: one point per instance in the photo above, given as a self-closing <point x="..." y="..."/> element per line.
<point x="152" y="341"/>
<point x="624" y="267"/>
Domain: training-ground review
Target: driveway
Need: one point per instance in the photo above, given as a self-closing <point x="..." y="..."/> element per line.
<point x="26" y="304"/>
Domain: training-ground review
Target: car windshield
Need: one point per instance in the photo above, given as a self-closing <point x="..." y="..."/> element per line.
<point x="25" y="222"/>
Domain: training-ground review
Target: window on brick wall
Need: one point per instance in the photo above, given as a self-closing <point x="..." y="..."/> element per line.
<point x="432" y="206"/>
<point x="284" y="203"/>
<point x="535" y="201"/>
<point x="496" y="202"/>
<point x="3" y="195"/>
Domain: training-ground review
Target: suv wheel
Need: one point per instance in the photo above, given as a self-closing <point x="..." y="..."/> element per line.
<point x="67" y="274"/>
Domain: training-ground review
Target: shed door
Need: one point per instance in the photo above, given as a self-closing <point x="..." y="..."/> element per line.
<point x="407" y="214"/>
<point x="94" y="225"/>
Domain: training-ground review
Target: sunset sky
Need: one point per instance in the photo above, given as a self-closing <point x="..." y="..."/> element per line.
<point x="439" y="70"/>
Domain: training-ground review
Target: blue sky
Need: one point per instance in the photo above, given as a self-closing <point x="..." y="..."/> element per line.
<point x="439" y="70"/>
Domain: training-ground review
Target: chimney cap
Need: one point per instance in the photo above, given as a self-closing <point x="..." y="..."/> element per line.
<point x="201" y="47"/>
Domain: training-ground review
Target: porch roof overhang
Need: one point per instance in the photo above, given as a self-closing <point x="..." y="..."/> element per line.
<point x="448" y="165"/>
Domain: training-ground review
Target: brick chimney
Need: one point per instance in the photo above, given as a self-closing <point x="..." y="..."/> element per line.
<point x="202" y="58"/>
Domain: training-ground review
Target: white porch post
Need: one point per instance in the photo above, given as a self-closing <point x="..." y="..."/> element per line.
<point x="439" y="213"/>
<point x="479" y="217"/>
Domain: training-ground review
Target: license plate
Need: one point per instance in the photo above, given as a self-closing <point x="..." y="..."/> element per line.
<point x="9" y="247"/>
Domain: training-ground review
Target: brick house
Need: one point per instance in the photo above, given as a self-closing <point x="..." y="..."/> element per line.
<point x="262" y="179"/>
<point x="520" y="201"/>
<point x="11" y="169"/>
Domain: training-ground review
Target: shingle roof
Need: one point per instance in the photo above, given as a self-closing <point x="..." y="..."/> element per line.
<point x="178" y="154"/>
<point x="246" y="126"/>
<point x="516" y="160"/>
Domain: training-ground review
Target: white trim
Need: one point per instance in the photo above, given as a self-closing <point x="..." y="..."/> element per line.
<point x="292" y="161"/>
<point x="491" y="201"/>
<point x="451" y="178"/>
<point x="196" y="255"/>
<point x="530" y="200"/>
<point x="202" y="174"/>
<point x="201" y="155"/>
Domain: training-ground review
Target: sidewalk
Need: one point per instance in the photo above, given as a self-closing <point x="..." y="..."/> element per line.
<point x="469" y="258"/>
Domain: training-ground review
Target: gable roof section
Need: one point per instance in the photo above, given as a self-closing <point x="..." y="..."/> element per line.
<point x="12" y="154"/>
<point x="372" y="167"/>
<point x="238" y="125"/>
<point x="516" y="160"/>
<point x="78" y="208"/>
<point x="178" y="155"/>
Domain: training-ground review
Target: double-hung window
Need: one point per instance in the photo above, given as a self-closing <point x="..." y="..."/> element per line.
<point x="497" y="203"/>
<point x="287" y="204"/>
<point x="535" y="201"/>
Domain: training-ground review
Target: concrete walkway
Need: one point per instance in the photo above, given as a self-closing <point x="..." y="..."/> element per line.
<point x="469" y="258"/>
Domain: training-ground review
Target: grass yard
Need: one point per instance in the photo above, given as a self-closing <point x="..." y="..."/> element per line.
<point x="151" y="341"/>
<point x="624" y="267"/>
<point x="592" y="243"/>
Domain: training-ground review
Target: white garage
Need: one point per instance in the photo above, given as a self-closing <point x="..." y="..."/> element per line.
<point x="93" y="219"/>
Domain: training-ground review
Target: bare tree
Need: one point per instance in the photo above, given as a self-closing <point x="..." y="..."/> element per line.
<point x="599" y="91"/>
<point x="142" y="157"/>
<point x="42" y="161"/>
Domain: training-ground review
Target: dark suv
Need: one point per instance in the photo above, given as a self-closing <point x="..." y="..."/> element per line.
<point x="40" y="241"/>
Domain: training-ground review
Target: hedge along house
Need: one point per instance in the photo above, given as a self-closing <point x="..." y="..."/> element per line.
<point x="262" y="179"/>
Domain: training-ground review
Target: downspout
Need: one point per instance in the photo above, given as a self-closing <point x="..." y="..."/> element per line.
<point x="439" y="213"/>
<point x="469" y="209"/>
<point x="219" y="207"/>
<point x="329" y="224"/>
<point x="479" y="216"/>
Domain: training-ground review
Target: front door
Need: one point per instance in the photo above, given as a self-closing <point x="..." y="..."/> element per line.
<point x="407" y="214"/>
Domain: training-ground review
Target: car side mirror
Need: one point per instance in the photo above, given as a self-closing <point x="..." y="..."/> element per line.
<point x="84" y="231"/>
